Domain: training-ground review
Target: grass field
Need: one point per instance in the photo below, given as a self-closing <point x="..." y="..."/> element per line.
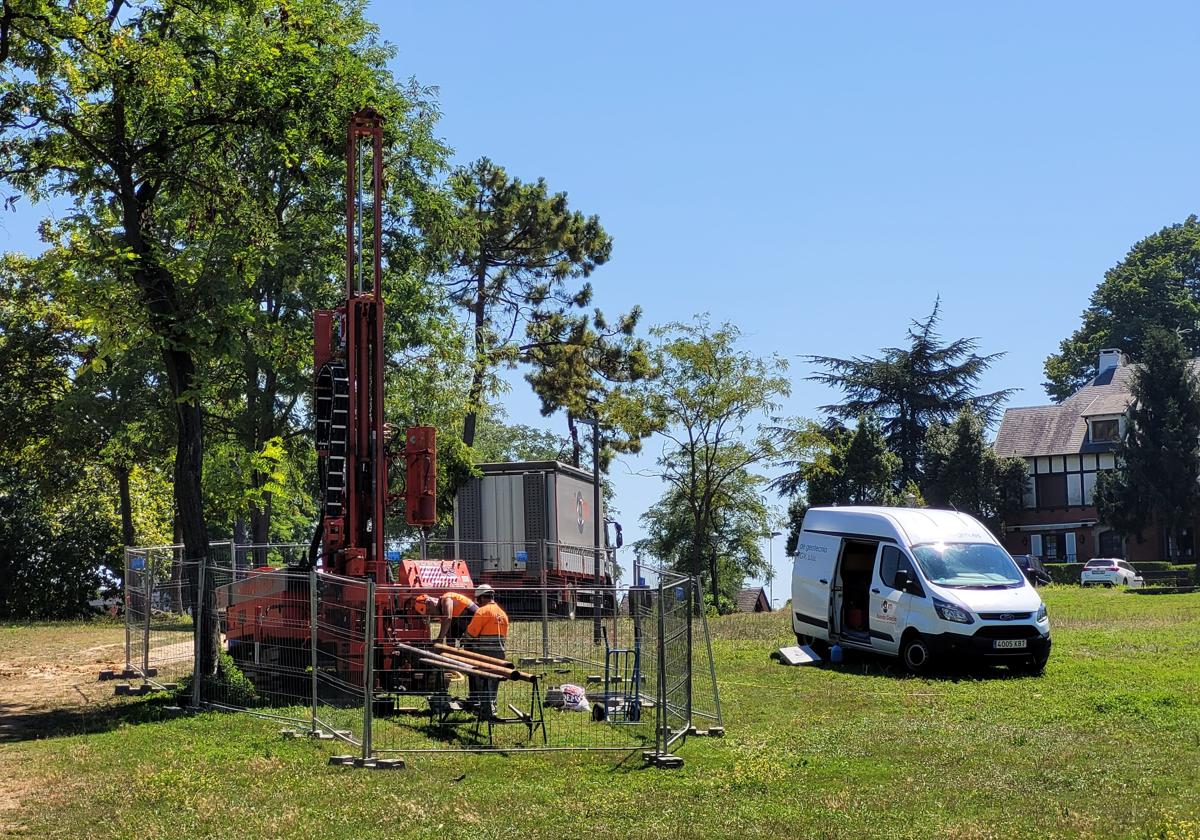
<point x="1106" y="743"/>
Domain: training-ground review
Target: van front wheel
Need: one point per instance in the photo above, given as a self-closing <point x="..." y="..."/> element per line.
<point x="916" y="655"/>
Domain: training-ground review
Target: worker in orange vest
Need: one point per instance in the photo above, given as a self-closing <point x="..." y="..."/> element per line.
<point x="452" y="611"/>
<point x="486" y="634"/>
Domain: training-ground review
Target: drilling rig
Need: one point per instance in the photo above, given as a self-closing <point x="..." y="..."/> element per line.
<point x="268" y="615"/>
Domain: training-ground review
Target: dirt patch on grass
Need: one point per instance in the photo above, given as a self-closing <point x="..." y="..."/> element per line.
<point x="49" y="674"/>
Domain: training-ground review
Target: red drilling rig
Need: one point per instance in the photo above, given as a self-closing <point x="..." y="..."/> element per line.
<point x="267" y="614"/>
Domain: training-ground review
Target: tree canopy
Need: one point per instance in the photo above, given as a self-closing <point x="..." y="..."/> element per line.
<point x="712" y="397"/>
<point x="1157" y="284"/>
<point x="1157" y="478"/>
<point x="910" y="388"/>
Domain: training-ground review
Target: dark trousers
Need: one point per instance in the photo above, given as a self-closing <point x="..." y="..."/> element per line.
<point x="482" y="690"/>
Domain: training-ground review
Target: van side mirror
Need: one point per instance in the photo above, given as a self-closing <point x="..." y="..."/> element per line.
<point x="901" y="580"/>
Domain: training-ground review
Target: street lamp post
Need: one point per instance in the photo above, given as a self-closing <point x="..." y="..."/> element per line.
<point x="771" y="561"/>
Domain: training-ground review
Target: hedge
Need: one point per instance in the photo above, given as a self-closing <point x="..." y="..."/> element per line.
<point x="1069" y="572"/>
<point x="1064" y="572"/>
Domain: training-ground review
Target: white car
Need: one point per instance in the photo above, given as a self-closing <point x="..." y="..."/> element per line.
<point x="1108" y="571"/>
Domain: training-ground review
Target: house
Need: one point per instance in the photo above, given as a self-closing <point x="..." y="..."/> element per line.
<point x="753" y="599"/>
<point x="1065" y="447"/>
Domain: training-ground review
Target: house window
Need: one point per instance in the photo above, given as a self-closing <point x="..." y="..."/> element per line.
<point x="1052" y="491"/>
<point x="1054" y="547"/>
<point x="1105" y="431"/>
<point x="1181" y="544"/>
<point x="1111" y="545"/>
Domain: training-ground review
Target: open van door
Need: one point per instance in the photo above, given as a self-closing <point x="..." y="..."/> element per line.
<point x="812" y="578"/>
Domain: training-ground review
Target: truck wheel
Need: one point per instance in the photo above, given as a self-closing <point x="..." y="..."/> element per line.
<point x="915" y="654"/>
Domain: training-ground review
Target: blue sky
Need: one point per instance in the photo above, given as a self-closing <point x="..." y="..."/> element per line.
<point x="819" y="173"/>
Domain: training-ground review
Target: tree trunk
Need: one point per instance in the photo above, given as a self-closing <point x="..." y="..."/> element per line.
<point x="260" y="523"/>
<point x="698" y="606"/>
<point x="176" y="570"/>
<point x="475" y="394"/>
<point x="576" y="449"/>
<point x="127" y="534"/>
<point x="189" y="499"/>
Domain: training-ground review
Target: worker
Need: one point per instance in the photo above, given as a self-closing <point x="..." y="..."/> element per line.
<point x="452" y="611"/>
<point x="486" y="634"/>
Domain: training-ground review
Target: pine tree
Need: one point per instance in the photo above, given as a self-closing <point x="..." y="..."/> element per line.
<point x="910" y="388"/>
<point x="1158" y="472"/>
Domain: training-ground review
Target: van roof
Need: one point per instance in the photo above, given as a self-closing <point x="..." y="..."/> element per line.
<point x="910" y="525"/>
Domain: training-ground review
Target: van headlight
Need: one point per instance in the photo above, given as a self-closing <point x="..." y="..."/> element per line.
<point x="1041" y="615"/>
<point x="952" y="612"/>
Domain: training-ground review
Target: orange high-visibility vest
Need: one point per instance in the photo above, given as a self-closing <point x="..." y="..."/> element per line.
<point x="461" y="602"/>
<point x="489" y="620"/>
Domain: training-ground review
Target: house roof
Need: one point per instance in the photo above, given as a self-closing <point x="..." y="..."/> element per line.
<point x="1062" y="429"/>
<point x="747" y="600"/>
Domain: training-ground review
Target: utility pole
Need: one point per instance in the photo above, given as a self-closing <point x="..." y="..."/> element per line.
<point x="771" y="562"/>
<point x="597" y="579"/>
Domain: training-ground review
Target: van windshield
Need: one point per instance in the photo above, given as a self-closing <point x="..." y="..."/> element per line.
<point x="968" y="566"/>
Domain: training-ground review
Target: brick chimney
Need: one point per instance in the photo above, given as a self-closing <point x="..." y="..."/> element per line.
<point x="1109" y="359"/>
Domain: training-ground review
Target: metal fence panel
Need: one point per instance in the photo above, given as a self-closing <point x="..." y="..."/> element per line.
<point x="355" y="659"/>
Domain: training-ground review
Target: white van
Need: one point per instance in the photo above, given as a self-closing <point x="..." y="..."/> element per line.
<point x="915" y="583"/>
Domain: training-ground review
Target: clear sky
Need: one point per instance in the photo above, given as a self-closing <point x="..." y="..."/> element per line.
<point x="818" y="173"/>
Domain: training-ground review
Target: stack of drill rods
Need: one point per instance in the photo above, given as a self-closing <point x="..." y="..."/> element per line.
<point x="445" y="665"/>
<point x="476" y="659"/>
<point x="475" y="668"/>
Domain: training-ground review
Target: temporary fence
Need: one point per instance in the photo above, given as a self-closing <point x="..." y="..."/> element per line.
<point x="352" y="659"/>
<point x="158" y="586"/>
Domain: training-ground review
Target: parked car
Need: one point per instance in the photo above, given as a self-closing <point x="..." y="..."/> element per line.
<point x="1110" y="571"/>
<point x="1033" y="569"/>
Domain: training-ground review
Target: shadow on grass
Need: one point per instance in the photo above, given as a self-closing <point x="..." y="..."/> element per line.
<point x="872" y="665"/>
<point x="19" y="724"/>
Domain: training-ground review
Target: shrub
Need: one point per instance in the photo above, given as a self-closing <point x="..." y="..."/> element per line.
<point x="1064" y="572"/>
<point x="229" y="683"/>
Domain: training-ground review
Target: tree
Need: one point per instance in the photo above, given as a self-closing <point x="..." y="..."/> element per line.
<point x="708" y="394"/>
<point x="57" y="523"/>
<point x="1157" y="284"/>
<point x="515" y="249"/>
<point x="833" y="465"/>
<point x="740" y="518"/>
<point x="1157" y="477"/>
<point x="910" y="388"/>
<point x="142" y="114"/>
<point x="962" y="471"/>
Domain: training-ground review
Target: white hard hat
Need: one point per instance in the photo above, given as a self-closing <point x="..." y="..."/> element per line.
<point x="484" y="589"/>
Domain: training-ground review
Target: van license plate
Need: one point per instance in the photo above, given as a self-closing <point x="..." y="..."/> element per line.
<point x="1010" y="643"/>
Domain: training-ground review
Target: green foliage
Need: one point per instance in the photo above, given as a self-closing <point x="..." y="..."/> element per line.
<point x="56" y="534"/>
<point x="228" y="683"/>
<point x="708" y="394"/>
<point x="833" y="465"/>
<point x="910" y="388"/>
<point x="1064" y="573"/>
<point x="962" y="471"/>
<point x="1157" y="284"/>
<point x="739" y="521"/>
<point x="514" y="248"/>
<point x="1158" y="462"/>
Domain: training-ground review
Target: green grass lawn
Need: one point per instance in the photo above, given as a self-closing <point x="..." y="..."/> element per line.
<point x="1106" y="743"/>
